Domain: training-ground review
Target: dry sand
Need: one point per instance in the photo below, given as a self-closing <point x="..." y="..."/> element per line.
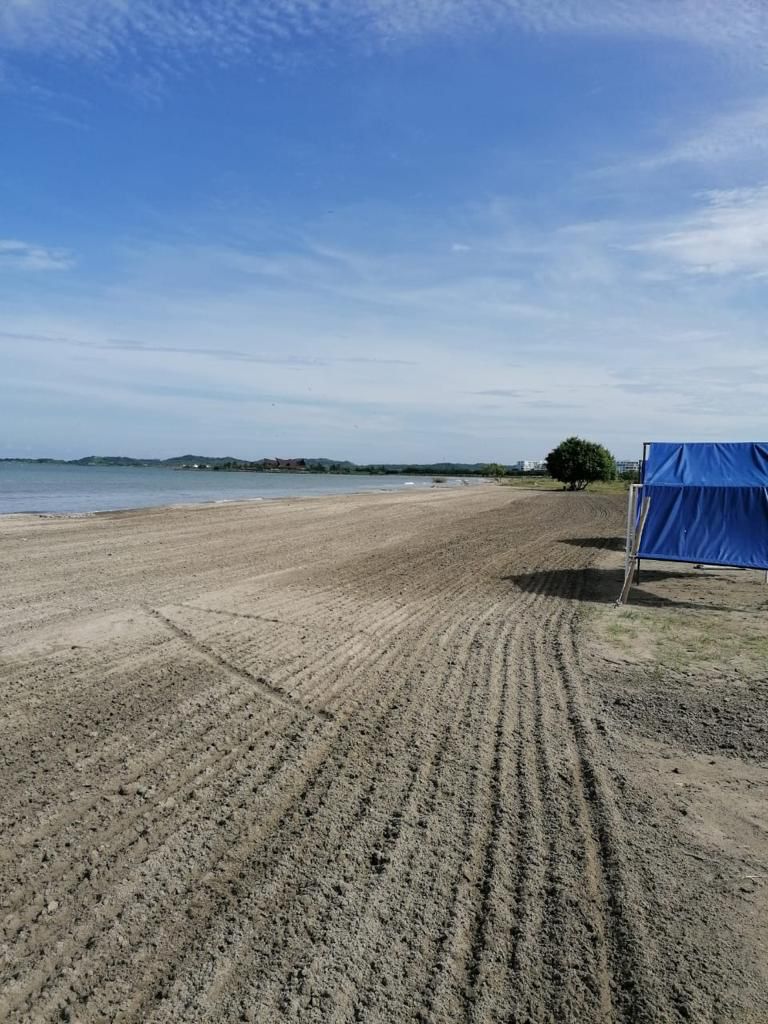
<point x="352" y="759"/>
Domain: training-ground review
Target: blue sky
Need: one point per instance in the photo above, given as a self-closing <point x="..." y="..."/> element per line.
<point x="381" y="229"/>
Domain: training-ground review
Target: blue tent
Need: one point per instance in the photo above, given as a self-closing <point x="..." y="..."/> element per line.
<point x="708" y="503"/>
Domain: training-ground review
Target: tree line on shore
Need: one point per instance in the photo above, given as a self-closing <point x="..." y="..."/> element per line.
<point x="287" y="465"/>
<point x="575" y="462"/>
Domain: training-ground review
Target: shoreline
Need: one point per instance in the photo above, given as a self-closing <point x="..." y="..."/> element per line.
<point x="403" y="488"/>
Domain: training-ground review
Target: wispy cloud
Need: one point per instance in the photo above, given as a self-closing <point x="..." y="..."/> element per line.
<point x="738" y="134"/>
<point x="738" y="24"/>
<point x="513" y="346"/>
<point x="505" y="393"/>
<point x="729" y="235"/>
<point x="18" y="255"/>
<point x="230" y="355"/>
<point x="55" y="106"/>
<point x="26" y="336"/>
<point x="375" y="361"/>
<point x="226" y="355"/>
<point x="103" y="30"/>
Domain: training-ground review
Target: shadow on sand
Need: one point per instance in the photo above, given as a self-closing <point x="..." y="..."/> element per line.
<point x="603" y="586"/>
<point x="598" y="543"/>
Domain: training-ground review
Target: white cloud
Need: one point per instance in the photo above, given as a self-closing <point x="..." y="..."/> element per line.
<point x="27" y="256"/>
<point x="107" y="29"/>
<point x="342" y="344"/>
<point x="739" y="134"/>
<point x="728" y="236"/>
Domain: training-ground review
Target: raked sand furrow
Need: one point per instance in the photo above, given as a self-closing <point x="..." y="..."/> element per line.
<point x="345" y="769"/>
<point x="365" y="792"/>
<point x="145" y="822"/>
<point x="393" y="650"/>
<point x="395" y="879"/>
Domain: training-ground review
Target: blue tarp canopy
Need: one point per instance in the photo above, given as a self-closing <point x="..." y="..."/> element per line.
<point x="709" y="503"/>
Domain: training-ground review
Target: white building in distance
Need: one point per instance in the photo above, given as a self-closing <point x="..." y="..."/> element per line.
<point x="529" y="465"/>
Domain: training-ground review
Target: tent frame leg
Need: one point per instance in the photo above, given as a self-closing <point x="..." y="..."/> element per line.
<point x="631" y="520"/>
<point x="633" y="559"/>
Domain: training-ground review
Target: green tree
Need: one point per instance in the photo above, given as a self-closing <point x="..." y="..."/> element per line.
<point x="577" y="463"/>
<point x="494" y="469"/>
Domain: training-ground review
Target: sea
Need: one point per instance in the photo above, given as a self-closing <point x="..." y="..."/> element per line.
<point x="78" y="490"/>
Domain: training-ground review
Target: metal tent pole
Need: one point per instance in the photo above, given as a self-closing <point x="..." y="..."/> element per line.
<point x="646" y="446"/>
<point x="631" y="519"/>
<point x="635" y="548"/>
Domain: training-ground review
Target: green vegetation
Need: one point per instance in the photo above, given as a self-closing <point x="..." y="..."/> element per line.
<point x="706" y="640"/>
<point x="313" y="465"/>
<point x="578" y="463"/>
<point x="508" y="475"/>
<point x="546" y="483"/>
<point x="536" y="481"/>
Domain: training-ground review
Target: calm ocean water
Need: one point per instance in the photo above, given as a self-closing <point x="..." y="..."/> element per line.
<point x="28" y="487"/>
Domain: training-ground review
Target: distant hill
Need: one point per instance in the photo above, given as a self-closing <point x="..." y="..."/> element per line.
<point x="327" y="463"/>
<point x="110" y="460"/>
<point x="200" y="460"/>
<point x="229" y="463"/>
<point x="124" y="460"/>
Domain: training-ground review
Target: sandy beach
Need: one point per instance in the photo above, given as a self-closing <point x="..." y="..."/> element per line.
<point x="352" y="759"/>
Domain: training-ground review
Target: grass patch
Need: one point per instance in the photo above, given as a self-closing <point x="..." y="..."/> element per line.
<point x="711" y="639"/>
<point x="546" y="483"/>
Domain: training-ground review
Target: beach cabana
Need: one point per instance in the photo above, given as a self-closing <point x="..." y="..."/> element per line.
<point x="705" y="503"/>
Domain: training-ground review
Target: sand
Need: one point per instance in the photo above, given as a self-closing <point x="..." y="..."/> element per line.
<point x="353" y="759"/>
